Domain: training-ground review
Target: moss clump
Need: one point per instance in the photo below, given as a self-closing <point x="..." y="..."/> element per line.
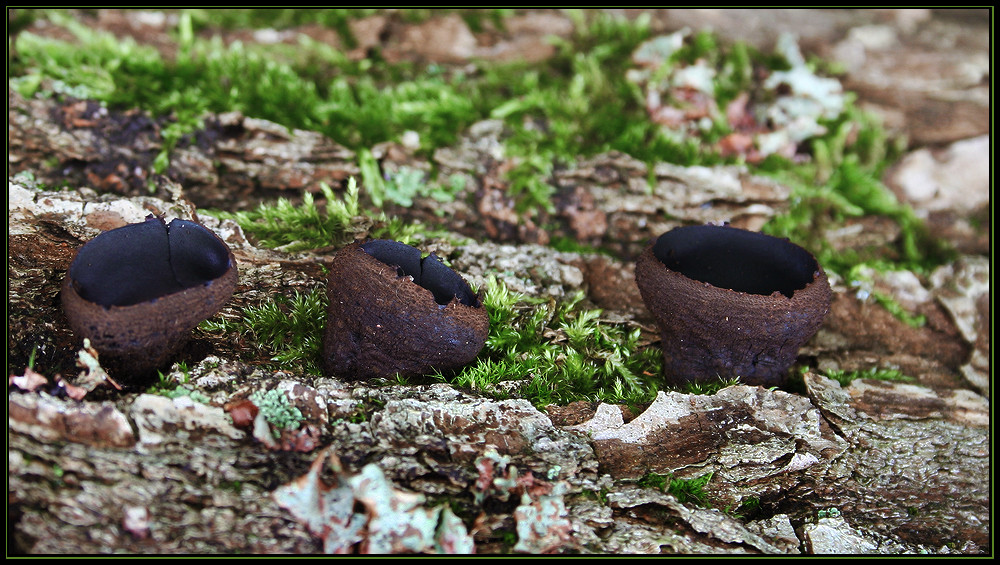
<point x="289" y="329"/>
<point x="558" y="353"/>
<point x="708" y="388"/>
<point x="684" y="490"/>
<point x="288" y="227"/>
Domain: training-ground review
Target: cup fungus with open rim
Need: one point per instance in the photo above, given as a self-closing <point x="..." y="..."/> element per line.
<point x="137" y="291"/>
<point x="393" y="312"/>
<point x="731" y="302"/>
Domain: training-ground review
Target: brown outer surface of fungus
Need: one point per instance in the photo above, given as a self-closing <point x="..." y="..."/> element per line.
<point x="136" y="339"/>
<point x="381" y="323"/>
<point x="709" y="332"/>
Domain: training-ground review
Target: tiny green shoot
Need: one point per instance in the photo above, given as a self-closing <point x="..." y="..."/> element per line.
<point x="685" y="490"/>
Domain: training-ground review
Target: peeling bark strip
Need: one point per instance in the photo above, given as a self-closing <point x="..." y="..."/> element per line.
<point x="97" y="424"/>
<point x="112" y="151"/>
<point x="917" y="464"/>
<point x="755" y="441"/>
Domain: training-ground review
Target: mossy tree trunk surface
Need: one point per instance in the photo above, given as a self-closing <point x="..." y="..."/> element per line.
<point x="870" y="466"/>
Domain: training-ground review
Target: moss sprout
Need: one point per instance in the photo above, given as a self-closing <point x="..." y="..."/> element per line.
<point x="176" y="383"/>
<point x="289" y="227"/>
<point x="685" y="490"/>
<point x="287" y="329"/>
<point x="708" y="387"/>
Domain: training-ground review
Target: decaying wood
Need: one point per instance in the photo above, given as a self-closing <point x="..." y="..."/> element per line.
<point x="905" y="465"/>
<point x="233" y="160"/>
<point x="868" y="467"/>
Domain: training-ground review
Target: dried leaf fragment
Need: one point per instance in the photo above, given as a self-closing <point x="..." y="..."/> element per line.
<point x="392" y="521"/>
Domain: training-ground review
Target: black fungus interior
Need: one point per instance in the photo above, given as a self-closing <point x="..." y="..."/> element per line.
<point x="147" y="260"/>
<point x="197" y="255"/>
<point x="736" y="259"/>
<point x="429" y="272"/>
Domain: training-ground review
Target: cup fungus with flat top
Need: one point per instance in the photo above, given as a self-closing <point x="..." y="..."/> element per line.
<point x="731" y="302"/>
<point x="137" y="291"/>
<point x="392" y="311"/>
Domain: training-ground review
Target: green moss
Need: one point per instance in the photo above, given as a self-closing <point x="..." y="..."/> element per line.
<point x="558" y="352"/>
<point x="31" y="357"/>
<point x="845" y="377"/>
<point x="709" y="387"/>
<point x="749" y="509"/>
<point x="287" y="329"/>
<point x="282" y="18"/>
<point x="291" y="328"/>
<point x="860" y="277"/>
<point x="289" y="227"/>
<point x="233" y="486"/>
<point x="292" y="228"/>
<point x="897" y="310"/>
<point x="843" y="183"/>
<point x="685" y="490"/>
<point x="405" y="185"/>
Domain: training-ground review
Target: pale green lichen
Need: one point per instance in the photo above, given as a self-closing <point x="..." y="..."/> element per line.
<point x="277" y="409"/>
<point x="366" y="511"/>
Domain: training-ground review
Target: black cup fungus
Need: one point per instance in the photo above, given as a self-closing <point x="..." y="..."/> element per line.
<point x="392" y="312"/>
<point x="731" y="302"/>
<point x="137" y="291"/>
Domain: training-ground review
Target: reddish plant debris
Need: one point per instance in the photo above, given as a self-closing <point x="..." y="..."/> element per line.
<point x="540" y="520"/>
<point x="73" y="391"/>
<point x="242" y="412"/>
<point x="29" y="381"/>
<point x="304" y="439"/>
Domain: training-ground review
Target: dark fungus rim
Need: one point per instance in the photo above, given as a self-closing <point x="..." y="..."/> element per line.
<point x="731" y="302"/>
<point x="428" y="272"/>
<point x="136" y="291"/>
<point x="392" y="311"/>
<point x="737" y="259"/>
